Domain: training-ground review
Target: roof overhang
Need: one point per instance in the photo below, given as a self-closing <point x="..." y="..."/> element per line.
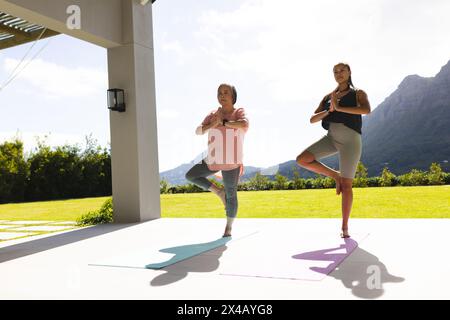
<point x="15" y="31"/>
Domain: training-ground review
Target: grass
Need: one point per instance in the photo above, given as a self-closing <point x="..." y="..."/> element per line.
<point x="60" y="210"/>
<point x="395" y="202"/>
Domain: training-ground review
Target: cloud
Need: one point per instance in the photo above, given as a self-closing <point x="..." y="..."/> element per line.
<point x="292" y="45"/>
<point x="58" y="81"/>
<point x="175" y="47"/>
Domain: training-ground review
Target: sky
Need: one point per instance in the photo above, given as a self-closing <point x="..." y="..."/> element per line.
<point x="278" y="54"/>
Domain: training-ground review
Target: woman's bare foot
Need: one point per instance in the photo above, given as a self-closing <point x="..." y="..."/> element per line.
<point x="344" y="233"/>
<point x="227" y="232"/>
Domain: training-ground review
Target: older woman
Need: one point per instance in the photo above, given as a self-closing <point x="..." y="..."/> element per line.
<point x="226" y="128"/>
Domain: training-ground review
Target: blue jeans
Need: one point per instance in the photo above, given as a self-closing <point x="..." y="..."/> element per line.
<point x="198" y="173"/>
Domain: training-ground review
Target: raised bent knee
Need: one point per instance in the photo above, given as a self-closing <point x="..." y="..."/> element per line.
<point x="304" y="158"/>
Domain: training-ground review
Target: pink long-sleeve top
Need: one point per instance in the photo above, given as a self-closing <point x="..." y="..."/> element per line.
<point x="225" y="145"/>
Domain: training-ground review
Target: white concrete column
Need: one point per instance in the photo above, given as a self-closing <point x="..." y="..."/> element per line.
<point x="134" y="143"/>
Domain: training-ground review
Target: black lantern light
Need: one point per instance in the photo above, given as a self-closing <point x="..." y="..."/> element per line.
<point x="116" y="100"/>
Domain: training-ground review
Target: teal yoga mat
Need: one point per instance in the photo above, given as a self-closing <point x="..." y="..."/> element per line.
<point x="187" y="251"/>
<point x="163" y="256"/>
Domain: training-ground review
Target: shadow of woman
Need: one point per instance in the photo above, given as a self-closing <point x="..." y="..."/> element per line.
<point x="326" y="255"/>
<point x="362" y="272"/>
<point x="200" y="257"/>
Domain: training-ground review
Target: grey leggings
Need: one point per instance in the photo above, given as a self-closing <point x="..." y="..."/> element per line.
<point x="198" y="173"/>
<point x="343" y="140"/>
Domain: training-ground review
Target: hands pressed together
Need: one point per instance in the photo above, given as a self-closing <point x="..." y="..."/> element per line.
<point x="217" y="120"/>
<point x="334" y="105"/>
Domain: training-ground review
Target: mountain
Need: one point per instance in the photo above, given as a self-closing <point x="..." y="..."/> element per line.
<point x="410" y="129"/>
<point x="176" y="176"/>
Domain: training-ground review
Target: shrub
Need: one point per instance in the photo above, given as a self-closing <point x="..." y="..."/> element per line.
<point x="103" y="215"/>
<point x="435" y="176"/>
<point x="290" y="185"/>
<point x="309" y="183"/>
<point x="163" y="186"/>
<point x="413" y="178"/>
<point x="172" y="190"/>
<point x="316" y="183"/>
<point x="447" y="178"/>
<point x="360" y="176"/>
<point x="243" y="186"/>
<point x="299" y="183"/>
<point x="387" y="178"/>
<point x="373" y="181"/>
<point x="328" y="182"/>
<point x="280" y="182"/>
<point x="259" y="182"/>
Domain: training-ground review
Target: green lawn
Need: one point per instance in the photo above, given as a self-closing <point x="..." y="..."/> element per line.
<point x="396" y="202"/>
<point x="61" y="210"/>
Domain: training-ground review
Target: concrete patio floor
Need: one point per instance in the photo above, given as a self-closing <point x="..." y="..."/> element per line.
<point x="411" y="256"/>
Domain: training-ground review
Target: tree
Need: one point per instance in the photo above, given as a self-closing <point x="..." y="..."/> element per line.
<point x="280" y="182"/>
<point x="259" y="182"/>
<point x="96" y="169"/>
<point x="360" y="176"/>
<point x="299" y="183"/>
<point x="387" y="178"/>
<point x="436" y="175"/>
<point x="13" y="172"/>
<point x="163" y="186"/>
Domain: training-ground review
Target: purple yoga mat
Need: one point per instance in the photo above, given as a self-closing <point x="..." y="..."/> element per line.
<point x="329" y="255"/>
<point x="308" y="259"/>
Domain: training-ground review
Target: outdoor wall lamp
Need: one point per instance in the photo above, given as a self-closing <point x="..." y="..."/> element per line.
<point x="116" y="100"/>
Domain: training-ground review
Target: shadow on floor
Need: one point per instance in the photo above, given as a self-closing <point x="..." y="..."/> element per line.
<point x="364" y="274"/>
<point x="23" y="249"/>
<point x="359" y="270"/>
<point x="330" y="255"/>
<point x="205" y="262"/>
<point x="187" y="251"/>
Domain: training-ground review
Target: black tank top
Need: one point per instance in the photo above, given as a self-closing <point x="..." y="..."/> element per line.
<point x="353" y="121"/>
